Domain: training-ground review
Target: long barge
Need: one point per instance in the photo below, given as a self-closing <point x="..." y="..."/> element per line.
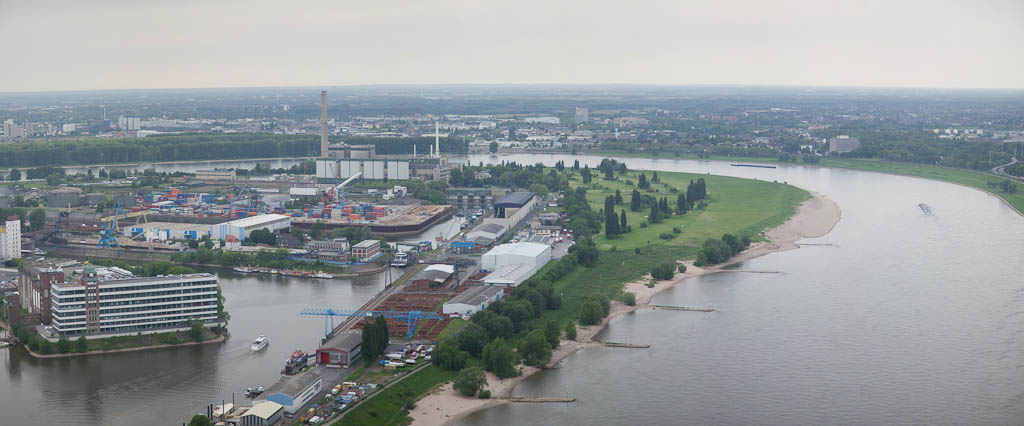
<point x="760" y="166"/>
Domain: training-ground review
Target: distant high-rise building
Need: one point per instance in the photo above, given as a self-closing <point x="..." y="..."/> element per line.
<point x="13" y="131"/>
<point x="323" y="123"/>
<point x="582" y="115"/>
<point x="10" y="239"/>
<point x="129" y="123"/>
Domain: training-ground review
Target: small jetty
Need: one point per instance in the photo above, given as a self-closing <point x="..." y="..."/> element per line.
<point x="925" y="208"/>
<point x="760" y="166"/>
<point x="624" y="345"/>
<point x="680" y="308"/>
<point x="540" y="399"/>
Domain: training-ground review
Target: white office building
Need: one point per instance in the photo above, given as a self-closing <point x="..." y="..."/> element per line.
<point x="10" y="239"/>
<point x="111" y="301"/>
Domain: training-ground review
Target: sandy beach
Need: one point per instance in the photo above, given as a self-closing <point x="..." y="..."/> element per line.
<point x="814" y="218"/>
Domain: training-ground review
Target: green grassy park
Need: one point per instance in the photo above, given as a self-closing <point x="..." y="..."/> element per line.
<point x="971" y="178"/>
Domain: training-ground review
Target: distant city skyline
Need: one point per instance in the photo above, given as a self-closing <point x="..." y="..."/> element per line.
<point x="106" y="45"/>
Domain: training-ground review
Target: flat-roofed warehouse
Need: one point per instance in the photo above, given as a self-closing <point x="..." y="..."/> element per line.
<point x="241" y="228"/>
<point x="341" y="349"/>
<point x="531" y="254"/>
<point x="471" y="301"/>
<point x="164" y="231"/>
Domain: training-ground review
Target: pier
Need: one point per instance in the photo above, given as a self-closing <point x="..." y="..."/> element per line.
<point x="540" y="399"/>
<point x="680" y="308"/>
<point x="624" y="345"/>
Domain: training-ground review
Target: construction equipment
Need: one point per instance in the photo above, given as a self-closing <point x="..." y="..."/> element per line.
<point x="339" y="193"/>
<point x="139" y="215"/>
<point x="108" y="234"/>
<point x="409" y="317"/>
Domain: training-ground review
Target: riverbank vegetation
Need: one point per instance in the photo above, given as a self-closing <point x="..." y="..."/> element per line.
<point x="276" y="259"/>
<point x="972" y="178"/>
<point x="196" y="333"/>
<point x="528" y="324"/>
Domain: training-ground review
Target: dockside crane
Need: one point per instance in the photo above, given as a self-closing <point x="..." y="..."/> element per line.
<point x="409" y="317"/>
<point x="339" y="192"/>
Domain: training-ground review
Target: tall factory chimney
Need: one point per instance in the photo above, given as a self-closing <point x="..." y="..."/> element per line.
<point x="323" y="124"/>
<point x="437" y="138"/>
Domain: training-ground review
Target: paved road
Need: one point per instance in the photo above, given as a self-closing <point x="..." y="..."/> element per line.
<point x="999" y="170"/>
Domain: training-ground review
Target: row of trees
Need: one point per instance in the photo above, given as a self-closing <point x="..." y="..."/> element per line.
<point x="35" y="219"/>
<point x="210" y="146"/>
<point x="375" y="340"/>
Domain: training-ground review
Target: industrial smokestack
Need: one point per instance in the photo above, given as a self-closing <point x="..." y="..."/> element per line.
<point x="437" y="138"/>
<point x="323" y="123"/>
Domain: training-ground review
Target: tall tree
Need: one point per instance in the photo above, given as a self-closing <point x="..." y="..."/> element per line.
<point x="681" y="203"/>
<point x="636" y="201"/>
<point x="642" y="182"/>
<point x="618" y="196"/>
<point x="586" y="174"/>
<point x="654" y="177"/>
<point x="576" y="165"/>
<point x="622" y="222"/>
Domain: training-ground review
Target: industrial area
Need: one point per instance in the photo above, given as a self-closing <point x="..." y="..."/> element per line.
<point x="355" y="215"/>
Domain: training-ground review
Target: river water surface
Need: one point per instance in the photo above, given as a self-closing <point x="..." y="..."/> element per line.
<point x="164" y="386"/>
<point x="904" y="319"/>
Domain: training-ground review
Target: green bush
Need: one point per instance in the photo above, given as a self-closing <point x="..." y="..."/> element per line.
<point x="63" y="345"/>
<point x="676" y="230"/>
<point x="666" y="236"/>
<point x="485" y="394"/>
<point x="470" y="380"/>
<point x="170" y="338"/>
<point x="664" y="271"/>
<point x="682" y="268"/>
<point x="628" y="298"/>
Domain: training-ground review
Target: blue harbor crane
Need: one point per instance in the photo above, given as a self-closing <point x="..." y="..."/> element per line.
<point x="409" y="317"/>
<point x="108" y="235"/>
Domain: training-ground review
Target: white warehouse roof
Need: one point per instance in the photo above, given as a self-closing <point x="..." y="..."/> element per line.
<point x="260" y="220"/>
<point x="520" y="249"/>
<point x="264" y="410"/>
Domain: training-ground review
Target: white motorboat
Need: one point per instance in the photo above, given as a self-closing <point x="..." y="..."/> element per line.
<point x="323" y="275"/>
<point x="260" y="343"/>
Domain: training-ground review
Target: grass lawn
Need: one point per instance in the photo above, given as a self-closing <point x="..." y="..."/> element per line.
<point x="387" y="408"/>
<point x="452" y="328"/>
<point x="972" y="178"/>
<point x="737" y="206"/>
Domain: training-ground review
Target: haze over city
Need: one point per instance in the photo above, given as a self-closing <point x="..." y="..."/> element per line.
<point x="484" y="213"/>
<point x="73" y="45"/>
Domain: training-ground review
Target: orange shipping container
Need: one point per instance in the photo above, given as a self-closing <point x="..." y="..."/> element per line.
<point x="354" y="216"/>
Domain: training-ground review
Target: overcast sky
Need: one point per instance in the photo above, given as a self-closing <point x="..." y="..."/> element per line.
<point x="83" y="45"/>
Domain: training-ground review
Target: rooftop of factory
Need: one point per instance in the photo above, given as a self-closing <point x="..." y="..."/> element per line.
<point x="475" y="295"/>
<point x="293" y="385"/>
<point x="510" y="273"/>
<point x="521" y="249"/>
<point x="514" y="199"/>
<point x="258" y="220"/>
<point x="345" y="340"/>
<point x="438" y="273"/>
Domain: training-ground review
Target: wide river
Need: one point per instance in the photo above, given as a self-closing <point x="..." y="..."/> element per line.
<point x="904" y="319"/>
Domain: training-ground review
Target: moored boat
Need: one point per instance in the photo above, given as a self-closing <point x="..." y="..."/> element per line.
<point x="243" y="269"/>
<point x="322" y="275"/>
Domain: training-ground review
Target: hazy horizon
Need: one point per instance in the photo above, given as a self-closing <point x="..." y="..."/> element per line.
<point x="112" y="45"/>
